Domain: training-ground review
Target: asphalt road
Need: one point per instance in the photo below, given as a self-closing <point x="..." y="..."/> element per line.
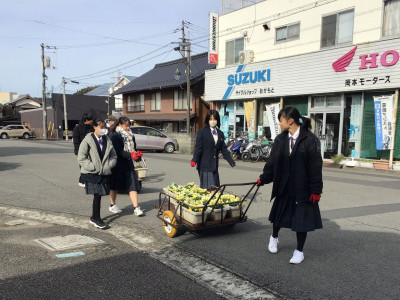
<point x="355" y="256"/>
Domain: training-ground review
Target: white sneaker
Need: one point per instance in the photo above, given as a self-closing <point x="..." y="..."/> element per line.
<point x="273" y="244"/>
<point x="81" y="184"/>
<point x="138" y="212"/>
<point x="297" y="257"/>
<point x="114" y="209"/>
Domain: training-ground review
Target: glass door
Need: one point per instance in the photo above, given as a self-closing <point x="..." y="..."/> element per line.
<point x="240" y="125"/>
<point x="326" y="127"/>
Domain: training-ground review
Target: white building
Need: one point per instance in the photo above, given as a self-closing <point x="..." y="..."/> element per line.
<point x="329" y="58"/>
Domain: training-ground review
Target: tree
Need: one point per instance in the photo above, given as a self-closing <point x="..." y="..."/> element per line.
<point x="85" y="90"/>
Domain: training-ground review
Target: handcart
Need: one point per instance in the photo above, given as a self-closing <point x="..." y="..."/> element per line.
<point x="177" y="218"/>
<point x="141" y="170"/>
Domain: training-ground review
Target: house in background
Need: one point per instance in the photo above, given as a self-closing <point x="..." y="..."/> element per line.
<point x="19" y="104"/>
<point x="158" y="100"/>
<point x="122" y="81"/>
<point x="101" y="90"/>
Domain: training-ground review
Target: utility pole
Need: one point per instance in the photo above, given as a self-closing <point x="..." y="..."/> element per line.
<point x="65" y="110"/>
<point x="183" y="39"/>
<point x="44" y="106"/>
<point x="188" y="87"/>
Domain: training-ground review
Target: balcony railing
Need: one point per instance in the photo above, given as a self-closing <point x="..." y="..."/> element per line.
<point x="135" y="108"/>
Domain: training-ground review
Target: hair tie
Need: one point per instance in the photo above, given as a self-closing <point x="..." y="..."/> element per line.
<point x="301" y="120"/>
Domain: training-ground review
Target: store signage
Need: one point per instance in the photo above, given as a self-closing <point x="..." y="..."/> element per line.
<point x="368" y="61"/>
<point x="213" y="40"/>
<point x="383" y="108"/>
<point x="242" y="78"/>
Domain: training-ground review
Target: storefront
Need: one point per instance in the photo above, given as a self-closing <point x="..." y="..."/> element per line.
<point x="335" y="88"/>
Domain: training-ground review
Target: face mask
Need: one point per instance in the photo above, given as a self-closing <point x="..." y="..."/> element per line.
<point x="103" y="132"/>
<point x="213" y="124"/>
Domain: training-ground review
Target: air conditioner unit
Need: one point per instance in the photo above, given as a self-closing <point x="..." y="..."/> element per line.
<point x="246" y="56"/>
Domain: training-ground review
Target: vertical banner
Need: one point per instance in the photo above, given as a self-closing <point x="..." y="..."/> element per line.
<point x="383" y="108"/>
<point x="249" y="111"/>
<point x="272" y="114"/>
<point x="355" y="120"/>
<point x="213" y="39"/>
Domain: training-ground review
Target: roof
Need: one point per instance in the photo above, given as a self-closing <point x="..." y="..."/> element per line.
<point x="22" y="97"/>
<point x="101" y="90"/>
<point x="130" y="78"/>
<point x="159" y="117"/>
<point x="162" y="75"/>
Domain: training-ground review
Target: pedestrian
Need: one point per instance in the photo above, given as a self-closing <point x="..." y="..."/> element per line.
<point x="124" y="177"/>
<point x="97" y="157"/>
<point x="295" y="168"/>
<point x="210" y="142"/>
<point x="112" y="125"/>
<point x="79" y="133"/>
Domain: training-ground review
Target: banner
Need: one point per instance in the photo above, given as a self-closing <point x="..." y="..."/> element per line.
<point x="355" y="120"/>
<point x="383" y="108"/>
<point x="272" y="114"/>
<point x="249" y="110"/>
<point x="213" y="39"/>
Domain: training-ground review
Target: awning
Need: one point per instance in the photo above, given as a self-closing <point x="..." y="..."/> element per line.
<point x="159" y="117"/>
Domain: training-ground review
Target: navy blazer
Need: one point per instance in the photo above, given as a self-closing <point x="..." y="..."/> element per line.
<point x="206" y="151"/>
<point x="124" y="160"/>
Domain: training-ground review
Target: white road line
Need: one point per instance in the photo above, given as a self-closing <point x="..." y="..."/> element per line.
<point x="214" y="278"/>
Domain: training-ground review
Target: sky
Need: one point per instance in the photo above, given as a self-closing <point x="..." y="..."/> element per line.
<point x="93" y="42"/>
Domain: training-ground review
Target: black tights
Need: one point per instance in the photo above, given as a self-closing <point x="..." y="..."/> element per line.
<point x="96" y="207"/>
<point x="301" y="237"/>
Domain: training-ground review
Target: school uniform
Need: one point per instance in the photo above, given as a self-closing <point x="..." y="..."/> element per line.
<point x="209" y="143"/>
<point x="296" y="173"/>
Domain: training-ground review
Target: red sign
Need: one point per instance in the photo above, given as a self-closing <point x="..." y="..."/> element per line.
<point x="213" y="58"/>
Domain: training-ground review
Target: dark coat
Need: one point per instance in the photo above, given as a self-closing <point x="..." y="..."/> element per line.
<point x="124" y="160"/>
<point x="79" y="133"/>
<point x="305" y="178"/>
<point x="206" y="151"/>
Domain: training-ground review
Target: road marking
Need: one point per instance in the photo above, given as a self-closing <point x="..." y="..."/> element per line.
<point x="73" y="241"/>
<point x="71" y="254"/>
<point x="212" y="277"/>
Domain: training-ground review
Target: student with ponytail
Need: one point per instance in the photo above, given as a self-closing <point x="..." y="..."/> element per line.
<point x="295" y="168"/>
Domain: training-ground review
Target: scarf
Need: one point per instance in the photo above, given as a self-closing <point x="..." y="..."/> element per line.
<point x="128" y="141"/>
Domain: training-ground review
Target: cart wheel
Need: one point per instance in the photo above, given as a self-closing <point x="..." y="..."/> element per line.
<point x="168" y="219"/>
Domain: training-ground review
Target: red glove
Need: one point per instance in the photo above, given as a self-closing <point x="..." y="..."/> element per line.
<point x="134" y="156"/>
<point x="259" y="183"/>
<point x="314" y="198"/>
<point x="232" y="165"/>
<point x="192" y="164"/>
<point x="139" y="153"/>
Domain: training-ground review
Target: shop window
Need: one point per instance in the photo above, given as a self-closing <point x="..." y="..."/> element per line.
<point x="180" y="100"/>
<point x="325" y="101"/>
<point x="136" y="103"/>
<point x="337" y="28"/>
<point x="288" y="33"/>
<point x="232" y="50"/>
<point x="391" y="18"/>
<point x="155" y="102"/>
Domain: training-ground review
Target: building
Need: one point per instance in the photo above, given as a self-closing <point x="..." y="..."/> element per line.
<point x="6" y="97"/>
<point x="122" y="81"/>
<point x="329" y="58"/>
<point x="158" y="100"/>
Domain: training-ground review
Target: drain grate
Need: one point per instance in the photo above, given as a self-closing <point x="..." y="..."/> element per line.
<point x="74" y="241"/>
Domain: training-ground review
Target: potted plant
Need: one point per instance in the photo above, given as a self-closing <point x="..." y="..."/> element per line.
<point x="366" y="163"/>
<point x="381" y="164"/>
<point x="338" y="160"/>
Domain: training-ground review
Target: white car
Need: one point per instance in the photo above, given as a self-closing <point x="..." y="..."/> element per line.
<point x="148" y="138"/>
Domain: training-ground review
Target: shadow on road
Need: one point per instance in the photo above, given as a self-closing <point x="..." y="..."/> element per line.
<point x="13" y="151"/>
<point x="5" y="166"/>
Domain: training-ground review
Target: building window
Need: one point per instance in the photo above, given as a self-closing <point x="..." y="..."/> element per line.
<point x="391" y="18"/>
<point x="136" y="103"/>
<point x="155" y="103"/>
<point x="337" y="29"/>
<point x="232" y="51"/>
<point x="288" y="33"/>
<point x="180" y="100"/>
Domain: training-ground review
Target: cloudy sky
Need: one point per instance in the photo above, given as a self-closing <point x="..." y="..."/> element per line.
<point x="94" y="41"/>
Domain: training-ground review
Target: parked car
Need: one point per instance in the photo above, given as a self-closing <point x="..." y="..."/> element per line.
<point x="20" y="131"/>
<point x="148" y="138"/>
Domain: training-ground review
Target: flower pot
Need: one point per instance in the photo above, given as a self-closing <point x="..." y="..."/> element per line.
<point x="141" y="172"/>
<point x="365" y="164"/>
<point x="216" y="214"/>
<point x="192" y="216"/>
<point x="381" y="164"/>
<point x="396" y="167"/>
<point x="233" y="212"/>
<point x="351" y="163"/>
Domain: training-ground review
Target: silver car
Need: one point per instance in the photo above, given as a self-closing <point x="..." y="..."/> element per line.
<point x="148" y="138"/>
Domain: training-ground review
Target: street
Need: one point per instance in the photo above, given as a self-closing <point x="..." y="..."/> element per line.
<point x="355" y="255"/>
